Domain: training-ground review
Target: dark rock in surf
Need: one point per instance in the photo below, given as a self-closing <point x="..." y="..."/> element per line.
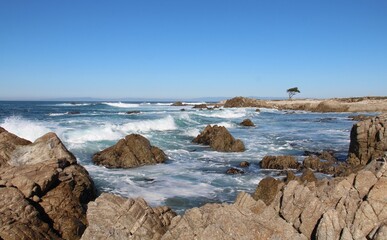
<point x="133" y="112"/>
<point x="201" y="106"/>
<point x="219" y="139"/>
<point x="132" y="151"/>
<point x="73" y="112"/>
<point x="178" y="104"/>
<point x="244" y="164"/>
<point x="247" y="123"/>
<point x="279" y="162"/>
<point x="234" y="171"/>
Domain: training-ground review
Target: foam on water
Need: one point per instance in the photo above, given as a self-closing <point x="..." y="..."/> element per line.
<point x="163" y="124"/>
<point x="225" y="113"/>
<point x="28" y="129"/>
<point x="121" y="105"/>
<point x="56" y="114"/>
<point x="225" y="124"/>
<point x="72" y="104"/>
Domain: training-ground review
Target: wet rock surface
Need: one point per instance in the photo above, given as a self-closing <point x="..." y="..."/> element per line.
<point x="279" y="162"/>
<point x="132" y="151"/>
<point x="219" y="139"/>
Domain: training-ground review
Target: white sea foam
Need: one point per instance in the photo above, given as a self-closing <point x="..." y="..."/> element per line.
<point x="28" y="129"/>
<point x="72" y="104"/>
<point x="110" y="132"/>
<point x="163" y="124"/>
<point x="56" y="114"/>
<point x="225" y="124"/>
<point x="121" y="105"/>
<point x="192" y="132"/>
<point x="235" y="113"/>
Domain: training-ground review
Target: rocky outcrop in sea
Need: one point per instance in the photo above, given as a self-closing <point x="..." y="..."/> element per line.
<point x="219" y="139"/>
<point x="132" y="151"/>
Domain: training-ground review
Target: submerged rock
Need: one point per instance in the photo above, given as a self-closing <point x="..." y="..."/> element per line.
<point x="244" y="164"/>
<point x="200" y="106"/>
<point x="219" y="139"/>
<point x="247" y="123"/>
<point x="47" y="182"/>
<point x="132" y="151"/>
<point x="279" y="162"/>
<point x="114" y="217"/>
<point x="234" y="171"/>
<point x="133" y="112"/>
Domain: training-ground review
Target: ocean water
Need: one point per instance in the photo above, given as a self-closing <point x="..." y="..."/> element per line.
<point x="194" y="174"/>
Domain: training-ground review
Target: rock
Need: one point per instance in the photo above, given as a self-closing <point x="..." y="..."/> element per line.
<point x="178" y="104"/>
<point x="257" y="110"/>
<point x="58" y="197"/>
<point x="19" y="219"/>
<point x="267" y="190"/>
<point x="247" y="123"/>
<point x="368" y="140"/>
<point x="133" y="112"/>
<point x="231" y="221"/>
<point x="73" y="112"/>
<point x="234" y="171"/>
<point x="8" y="143"/>
<point x="320" y="165"/>
<point x="219" y="139"/>
<point x="132" y="151"/>
<point x="244" y="164"/>
<point x="245" y="102"/>
<point x="359" y="117"/>
<point x="183" y="110"/>
<point x="308" y="176"/>
<point x="279" y="162"/>
<point x="114" y="217"/>
<point x="200" y="106"/>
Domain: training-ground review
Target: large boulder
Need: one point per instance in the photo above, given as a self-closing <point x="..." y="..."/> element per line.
<point x="132" y="151"/>
<point x="8" y="143"/>
<point x="279" y="162"/>
<point x="53" y="187"/>
<point x="247" y="123"/>
<point x="368" y="140"/>
<point x="114" y="217"/>
<point x="219" y="139"/>
<point x="245" y="102"/>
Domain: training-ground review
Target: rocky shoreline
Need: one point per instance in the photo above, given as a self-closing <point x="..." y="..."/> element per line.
<point x="360" y="104"/>
<point x="46" y="194"/>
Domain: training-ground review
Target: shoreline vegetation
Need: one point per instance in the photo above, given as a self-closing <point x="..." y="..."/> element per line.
<point x="46" y="194"/>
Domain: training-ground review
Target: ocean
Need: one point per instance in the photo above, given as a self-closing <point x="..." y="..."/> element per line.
<point x="194" y="174"/>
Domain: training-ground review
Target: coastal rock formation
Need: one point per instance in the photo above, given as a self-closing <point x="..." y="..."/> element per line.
<point x="359" y="117"/>
<point x="132" y="151"/>
<point x="178" y="104"/>
<point x="342" y="208"/>
<point x="234" y="171"/>
<point x="48" y="189"/>
<point x="245" y="102"/>
<point x="219" y="139"/>
<point x="247" y="123"/>
<point x="201" y="106"/>
<point x="279" y="162"/>
<point x="114" y="217"/>
<point x="368" y="140"/>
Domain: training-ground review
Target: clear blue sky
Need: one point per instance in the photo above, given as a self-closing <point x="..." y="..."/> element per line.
<point x="192" y="48"/>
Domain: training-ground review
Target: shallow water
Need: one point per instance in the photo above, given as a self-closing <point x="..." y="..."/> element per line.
<point x="194" y="174"/>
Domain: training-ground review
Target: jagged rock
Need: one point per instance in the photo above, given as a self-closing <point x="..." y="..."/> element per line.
<point x="114" y="217"/>
<point x="231" y="221"/>
<point x="359" y="117"/>
<point x="368" y="140"/>
<point x="52" y="183"/>
<point x="279" y="162"/>
<point x="244" y="164"/>
<point x="132" y="151"/>
<point x="267" y="190"/>
<point x="8" y="143"/>
<point x="308" y="175"/>
<point x="219" y="139"/>
<point x="19" y="219"/>
<point x="245" y="102"/>
<point x="200" y="106"/>
<point x="247" y="123"/>
<point x="320" y="165"/>
<point x="234" y="171"/>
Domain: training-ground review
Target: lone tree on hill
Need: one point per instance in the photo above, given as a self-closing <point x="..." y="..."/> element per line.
<point x="292" y="92"/>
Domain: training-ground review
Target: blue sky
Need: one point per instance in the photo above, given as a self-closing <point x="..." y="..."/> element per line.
<point x="192" y="48"/>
